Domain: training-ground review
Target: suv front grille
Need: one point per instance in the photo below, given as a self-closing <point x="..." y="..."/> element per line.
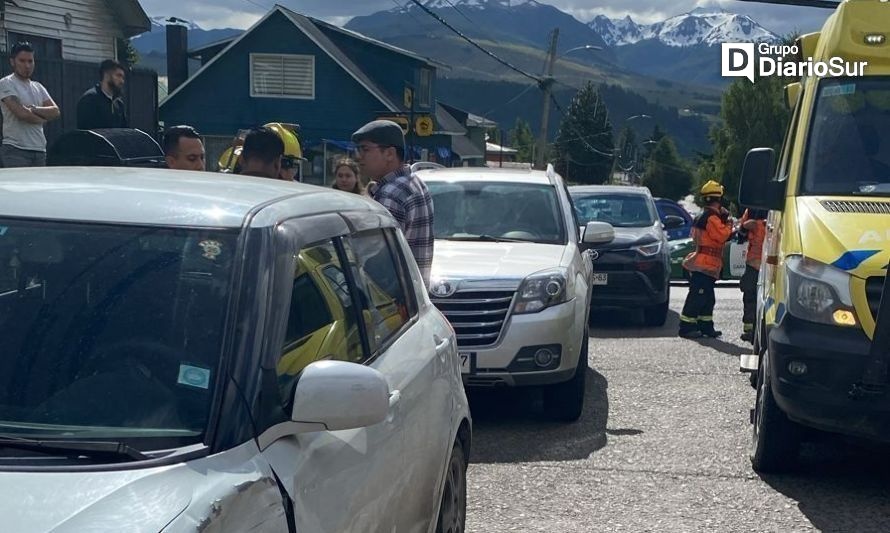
<point x="477" y="316"/>
<point x="873" y="287"/>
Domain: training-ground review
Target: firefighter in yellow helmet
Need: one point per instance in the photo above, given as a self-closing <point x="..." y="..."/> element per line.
<point x="230" y="161"/>
<point x="710" y="231"/>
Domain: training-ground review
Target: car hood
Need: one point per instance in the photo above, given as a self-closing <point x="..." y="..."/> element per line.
<point x="629" y="237"/>
<point x="853" y="241"/>
<point x="493" y="260"/>
<point x="62" y="502"/>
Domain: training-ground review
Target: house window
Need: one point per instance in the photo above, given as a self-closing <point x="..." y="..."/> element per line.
<point x="44" y="47"/>
<point x="425" y="88"/>
<point x="282" y="76"/>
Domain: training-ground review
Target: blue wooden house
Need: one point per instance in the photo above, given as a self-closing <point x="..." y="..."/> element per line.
<point x="291" y="68"/>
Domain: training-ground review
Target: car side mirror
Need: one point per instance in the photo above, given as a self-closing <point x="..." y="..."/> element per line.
<point x="598" y="233"/>
<point x="758" y="189"/>
<point x="673" y="222"/>
<point x="333" y="396"/>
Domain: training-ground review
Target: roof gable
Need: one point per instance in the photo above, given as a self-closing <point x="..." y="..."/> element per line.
<point x="307" y="27"/>
<point x="130" y="15"/>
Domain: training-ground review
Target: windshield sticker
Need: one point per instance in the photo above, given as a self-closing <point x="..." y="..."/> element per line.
<point x="839" y="90"/>
<point x="3" y="230"/>
<point x="194" y="376"/>
<point x="212" y="249"/>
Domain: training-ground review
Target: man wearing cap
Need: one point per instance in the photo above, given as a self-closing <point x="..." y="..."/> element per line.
<point x="380" y="152"/>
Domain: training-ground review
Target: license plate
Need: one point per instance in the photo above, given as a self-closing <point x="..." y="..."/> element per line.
<point x="467" y="361"/>
<point x="600" y="279"/>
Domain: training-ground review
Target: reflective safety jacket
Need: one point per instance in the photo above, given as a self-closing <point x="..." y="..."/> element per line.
<point x="756" y="235"/>
<point x="710" y="231"/>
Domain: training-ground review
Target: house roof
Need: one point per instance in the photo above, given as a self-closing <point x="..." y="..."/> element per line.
<point x="496" y="149"/>
<point x="213" y="47"/>
<point x="131" y="16"/>
<point x="464" y="147"/>
<point x="446" y="122"/>
<point x="309" y="28"/>
<point x="469" y="119"/>
<point x="381" y="44"/>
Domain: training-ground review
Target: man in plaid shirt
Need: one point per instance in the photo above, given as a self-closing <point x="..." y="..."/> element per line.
<point x="380" y="151"/>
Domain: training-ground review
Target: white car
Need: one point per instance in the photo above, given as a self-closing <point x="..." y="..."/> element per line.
<point x="201" y="352"/>
<point x="509" y="275"/>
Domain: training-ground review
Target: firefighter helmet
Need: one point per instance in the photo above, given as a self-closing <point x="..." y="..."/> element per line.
<point x="711" y="188"/>
<point x="230" y="160"/>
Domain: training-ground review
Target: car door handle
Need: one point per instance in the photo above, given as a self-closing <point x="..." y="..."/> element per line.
<point x="394" y="398"/>
<point x="441" y="344"/>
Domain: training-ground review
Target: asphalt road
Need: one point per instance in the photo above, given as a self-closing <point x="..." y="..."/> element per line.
<point x="662" y="446"/>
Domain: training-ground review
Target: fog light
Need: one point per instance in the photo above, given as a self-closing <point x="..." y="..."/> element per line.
<point x="844" y="318"/>
<point x="543" y="357"/>
<point x="797" y="368"/>
<point x="875" y="38"/>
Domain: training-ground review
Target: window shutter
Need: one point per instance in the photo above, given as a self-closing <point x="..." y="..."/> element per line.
<point x="283" y="76"/>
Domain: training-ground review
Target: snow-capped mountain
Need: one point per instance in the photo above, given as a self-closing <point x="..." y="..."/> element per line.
<point x="702" y="26"/>
<point x="161" y="21"/>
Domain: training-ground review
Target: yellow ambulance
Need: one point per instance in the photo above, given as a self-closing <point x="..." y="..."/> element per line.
<point x="828" y="244"/>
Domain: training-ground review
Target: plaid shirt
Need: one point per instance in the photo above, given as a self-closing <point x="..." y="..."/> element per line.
<point x="406" y="197"/>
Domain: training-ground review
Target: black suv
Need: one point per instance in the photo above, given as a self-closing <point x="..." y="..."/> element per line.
<point x="632" y="271"/>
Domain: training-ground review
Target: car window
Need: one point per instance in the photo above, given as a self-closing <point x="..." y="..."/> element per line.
<point x="482" y="211"/>
<point x="385" y="305"/>
<point x="670" y="210"/>
<point x="619" y="210"/>
<point x="322" y="321"/>
<point x="111" y="331"/>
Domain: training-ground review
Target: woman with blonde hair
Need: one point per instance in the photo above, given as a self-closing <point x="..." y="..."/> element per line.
<point x="347" y="179"/>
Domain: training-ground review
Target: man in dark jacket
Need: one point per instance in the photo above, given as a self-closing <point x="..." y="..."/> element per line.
<point x="102" y="106"/>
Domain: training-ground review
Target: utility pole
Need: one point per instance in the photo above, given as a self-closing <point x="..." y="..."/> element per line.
<point x="546" y="85"/>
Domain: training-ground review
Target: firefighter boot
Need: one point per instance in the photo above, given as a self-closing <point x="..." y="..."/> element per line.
<point x="706" y="327"/>
<point x="748" y="333"/>
<point x="689" y="329"/>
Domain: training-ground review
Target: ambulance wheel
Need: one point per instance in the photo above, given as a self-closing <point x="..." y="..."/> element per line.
<point x="775" y="440"/>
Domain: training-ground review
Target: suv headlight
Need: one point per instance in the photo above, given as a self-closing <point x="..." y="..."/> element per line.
<point x="648" y="250"/>
<point x="818" y="292"/>
<point x="542" y="290"/>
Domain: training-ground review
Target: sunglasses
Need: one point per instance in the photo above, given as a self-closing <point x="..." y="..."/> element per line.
<point x="288" y="163"/>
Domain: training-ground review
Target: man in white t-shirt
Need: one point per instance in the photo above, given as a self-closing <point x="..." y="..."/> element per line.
<point x="26" y="107"/>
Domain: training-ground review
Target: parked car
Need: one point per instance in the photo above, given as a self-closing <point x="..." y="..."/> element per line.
<point x="633" y="271"/>
<point x="667" y="207"/>
<point x="733" y="259"/>
<point x="509" y="274"/>
<point x="189" y="351"/>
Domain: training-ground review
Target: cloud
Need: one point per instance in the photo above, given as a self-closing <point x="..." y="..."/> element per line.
<point x="242" y="13"/>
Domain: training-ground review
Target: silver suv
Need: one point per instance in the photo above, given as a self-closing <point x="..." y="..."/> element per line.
<point x="509" y="275"/>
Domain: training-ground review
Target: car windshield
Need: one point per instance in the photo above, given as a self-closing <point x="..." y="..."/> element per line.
<point x="110" y="332"/>
<point x="848" y="152"/>
<point x="479" y="210"/>
<point x="619" y="210"/>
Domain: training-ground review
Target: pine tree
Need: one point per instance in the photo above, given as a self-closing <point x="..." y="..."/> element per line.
<point x="522" y="139"/>
<point x="667" y="175"/>
<point x="584" y="144"/>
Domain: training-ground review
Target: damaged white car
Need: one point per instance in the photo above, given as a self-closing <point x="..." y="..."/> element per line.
<point x="196" y="352"/>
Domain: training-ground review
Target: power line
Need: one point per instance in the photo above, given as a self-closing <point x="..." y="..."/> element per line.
<point x="475" y="44"/>
<point x="511" y="100"/>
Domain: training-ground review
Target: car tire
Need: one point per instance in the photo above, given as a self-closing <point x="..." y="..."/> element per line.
<point x="564" y="402"/>
<point x="453" y="509"/>
<point x="775" y="440"/>
<point x="656" y="315"/>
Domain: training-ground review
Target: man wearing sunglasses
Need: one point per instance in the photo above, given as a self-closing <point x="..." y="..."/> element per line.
<point x="380" y="152"/>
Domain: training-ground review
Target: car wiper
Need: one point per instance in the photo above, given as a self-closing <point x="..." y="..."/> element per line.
<point x="94" y="449"/>
<point x="485" y="238"/>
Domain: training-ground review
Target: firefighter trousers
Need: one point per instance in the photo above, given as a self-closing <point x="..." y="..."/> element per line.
<point x="748" y="284"/>
<point x="698" y="311"/>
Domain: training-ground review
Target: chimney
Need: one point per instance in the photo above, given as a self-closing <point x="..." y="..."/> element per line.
<point x="177" y="58"/>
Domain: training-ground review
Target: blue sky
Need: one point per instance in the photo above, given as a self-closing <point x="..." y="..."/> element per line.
<point x="242" y="13"/>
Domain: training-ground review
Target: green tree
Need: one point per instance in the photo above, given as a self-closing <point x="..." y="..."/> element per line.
<point x="522" y="139"/>
<point x="752" y="115"/>
<point x="584" y="144"/>
<point x="667" y="175"/>
<point x="126" y="53"/>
